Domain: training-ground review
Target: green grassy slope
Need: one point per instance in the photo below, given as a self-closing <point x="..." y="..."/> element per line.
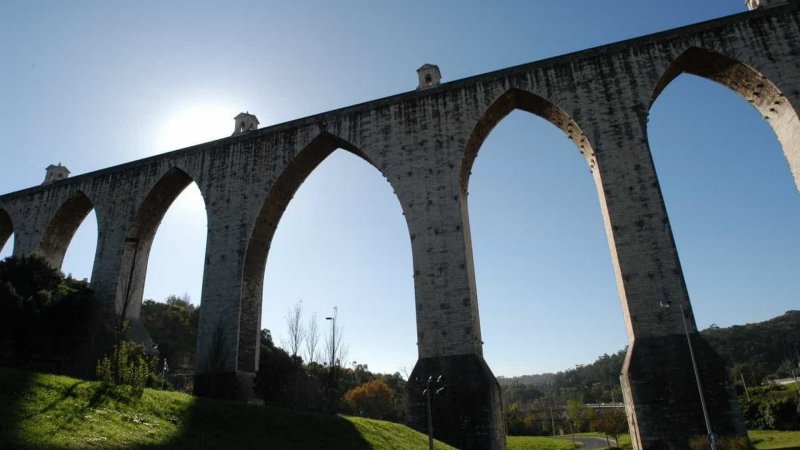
<point x="39" y="411"/>
<point x="768" y="439"/>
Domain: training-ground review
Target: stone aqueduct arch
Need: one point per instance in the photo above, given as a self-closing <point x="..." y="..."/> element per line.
<point x="424" y="143"/>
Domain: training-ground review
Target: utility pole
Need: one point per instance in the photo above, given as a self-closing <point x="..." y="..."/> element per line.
<point x="746" y="392"/>
<point x="428" y="392"/>
<point x="712" y="438"/>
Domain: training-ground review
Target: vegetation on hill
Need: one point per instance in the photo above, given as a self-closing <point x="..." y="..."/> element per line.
<point x="172" y="325"/>
<point x="759" y="351"/>
<point x="756" y="353"/>
<point x="56" y="412"/>
<point x="43" y="316"/>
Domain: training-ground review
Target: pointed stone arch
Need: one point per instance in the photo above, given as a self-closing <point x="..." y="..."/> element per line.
<point x="62" y="228"/>
<point x="138" y="242"/>
<point x="752" y="85"/>
<point x="260" y="240"/>
<point x="6" y="228"/>
<point x="525" y="101"/>
<point x="509" y="101"/>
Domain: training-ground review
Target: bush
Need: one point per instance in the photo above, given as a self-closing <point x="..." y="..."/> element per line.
<point x="373" y="399"/>
<point x="128" y="365"/>
<point x="772" y="408"/>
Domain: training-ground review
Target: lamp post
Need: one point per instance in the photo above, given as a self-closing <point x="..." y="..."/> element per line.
<point x="712" y="438"/>
<point x="333" y="356"/>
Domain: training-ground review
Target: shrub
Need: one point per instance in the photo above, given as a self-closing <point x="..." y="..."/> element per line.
<point x="373" y="399"/>
<point x="128" y="365"/>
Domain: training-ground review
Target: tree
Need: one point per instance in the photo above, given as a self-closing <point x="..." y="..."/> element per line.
<point x="294" y="325"/>
<point x="312" y="339"/>
<point x="173" y="327"/>
<point x="613" y="422"/>
<point x="578" y="413"/>
<point x="273" y="380"/>
<point x="374" y="399"/>
<point x="45" y="314"/>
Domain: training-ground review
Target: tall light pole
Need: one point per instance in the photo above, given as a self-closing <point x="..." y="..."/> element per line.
<point x="712" y="438"/>
<point x="333" y="356"/>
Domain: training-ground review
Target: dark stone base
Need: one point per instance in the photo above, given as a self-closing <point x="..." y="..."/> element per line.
<point x="662" y="393"/>
<point x="467" y="414"/>
<point x="226" y="385"/>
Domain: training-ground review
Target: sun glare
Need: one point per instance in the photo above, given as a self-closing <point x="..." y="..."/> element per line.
<point x="194" y="126"/>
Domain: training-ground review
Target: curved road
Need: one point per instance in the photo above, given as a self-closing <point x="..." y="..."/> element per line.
<point x="589" y="442"/>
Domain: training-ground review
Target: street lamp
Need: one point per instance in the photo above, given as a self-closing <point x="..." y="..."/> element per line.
<point x="333" y="356"/>
<point x="712" y="438"/>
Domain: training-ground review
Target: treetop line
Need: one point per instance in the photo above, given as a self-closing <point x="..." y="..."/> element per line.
<point x="424" y="143"/>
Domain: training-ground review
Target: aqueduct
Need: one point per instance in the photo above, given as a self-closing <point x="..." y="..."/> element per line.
<point x="424" y="143"/>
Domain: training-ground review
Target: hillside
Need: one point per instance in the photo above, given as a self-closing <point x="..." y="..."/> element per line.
<point x="55" y="412"/>
<point x="762" y="350"/>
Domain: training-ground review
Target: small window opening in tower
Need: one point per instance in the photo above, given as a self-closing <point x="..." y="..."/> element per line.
<point x="428" y="79"/>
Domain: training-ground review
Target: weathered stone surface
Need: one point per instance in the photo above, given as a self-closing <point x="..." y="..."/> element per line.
<point x="659" y="382"/>
<point x="424" y="142"/>
<point x="466" y="402"/>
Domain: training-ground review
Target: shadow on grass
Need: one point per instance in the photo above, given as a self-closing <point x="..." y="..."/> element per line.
<point x="30" y="401"/>
<point x="14" y="384"/>
<point x="213" y="424"/>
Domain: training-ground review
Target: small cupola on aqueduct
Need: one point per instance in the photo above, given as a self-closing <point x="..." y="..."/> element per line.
<point x="245" y="122"/>
<point x="55" y="173"/>
<point x="755" y="4"/>
<point x="429" y="76"/>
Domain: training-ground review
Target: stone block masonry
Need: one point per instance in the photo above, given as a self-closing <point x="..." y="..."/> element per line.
<point x="424" y="142"/>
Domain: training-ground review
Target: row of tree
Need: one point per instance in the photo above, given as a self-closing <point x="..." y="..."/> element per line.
<point x="322" y="382"/>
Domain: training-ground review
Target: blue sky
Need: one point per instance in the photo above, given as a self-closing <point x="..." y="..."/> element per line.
<point x="94" y="84"/>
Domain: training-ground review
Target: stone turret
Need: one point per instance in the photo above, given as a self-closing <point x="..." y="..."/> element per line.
<point x="55" y="173"/>
<point x="429" y="76"/>
<point x="755" y="4"/>
<point x="245" y="122"/>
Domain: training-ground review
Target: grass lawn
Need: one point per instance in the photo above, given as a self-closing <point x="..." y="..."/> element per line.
<point x="761" y="439"/>
<point x="538" y="443"/>
<point x="54" y="412"/>
<point x="769" y="439"/>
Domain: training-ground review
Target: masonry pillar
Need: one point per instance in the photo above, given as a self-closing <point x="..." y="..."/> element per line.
<point x="468" y="412"/>
<point x="222" y="368"/>
<point x="118" y="278"/>
<point x="658" y="382"/>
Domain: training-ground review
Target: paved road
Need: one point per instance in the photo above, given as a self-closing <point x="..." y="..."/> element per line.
<point x="588" y="442"/>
